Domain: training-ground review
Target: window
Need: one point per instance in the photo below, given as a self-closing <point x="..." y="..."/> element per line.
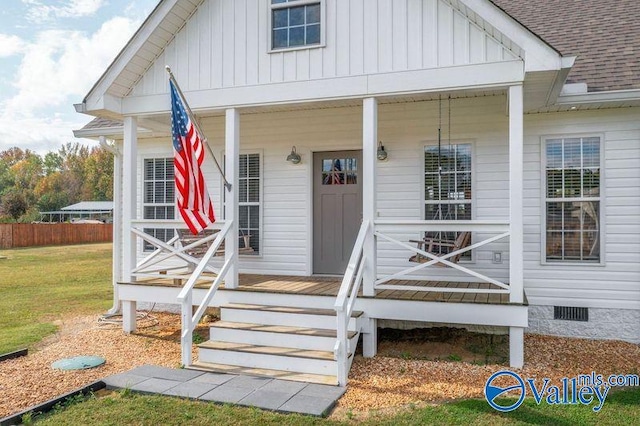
<point x="572" y="199"/>
<point x="295" y="23"/>
<point x="249" y="187"/>
<point x="340" y="171"/>
<point x="447" y="187"/>
<point x="159" y="196"/>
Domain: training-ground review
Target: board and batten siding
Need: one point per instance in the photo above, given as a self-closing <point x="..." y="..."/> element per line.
<point x="616" y="283"/>
<point x="225" y="44"/>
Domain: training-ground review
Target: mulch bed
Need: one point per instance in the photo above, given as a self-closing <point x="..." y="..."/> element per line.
<point x="404" y="373"/>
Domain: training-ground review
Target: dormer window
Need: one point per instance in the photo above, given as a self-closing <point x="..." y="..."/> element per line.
<point x="295" y="23"/>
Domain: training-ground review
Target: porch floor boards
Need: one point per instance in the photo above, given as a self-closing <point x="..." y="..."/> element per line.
<point x="329" y="286"/>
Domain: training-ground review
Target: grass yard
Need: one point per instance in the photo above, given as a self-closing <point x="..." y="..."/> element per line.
<point x="42" y="285"/>
<point x="621" y="408"/>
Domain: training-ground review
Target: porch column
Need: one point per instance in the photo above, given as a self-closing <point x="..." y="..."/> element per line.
<point x="369" y="208"/>
<point x="116" y="221"/>
<point x="129" y="159"/>
<point x="516" y="175"/>
<point x="232" y="164"/>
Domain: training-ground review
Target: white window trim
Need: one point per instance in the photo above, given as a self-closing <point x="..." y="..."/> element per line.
<point x="423" y="205"/>
<point x="141" y="204"/>
<point x="323" y="25"/>
<point x="543" y="202"/>
<point x="260" y="153"/>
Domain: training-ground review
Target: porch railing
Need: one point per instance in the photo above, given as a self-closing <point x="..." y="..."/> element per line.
<point x="189" y="319"/>
<point x="345" y="301"/>
<point x="383" y="229"/>
<point x="168" y="257"/>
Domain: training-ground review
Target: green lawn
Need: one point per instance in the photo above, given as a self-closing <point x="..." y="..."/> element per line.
<point x="125" y="408"/>
<point x="41" y="285"/>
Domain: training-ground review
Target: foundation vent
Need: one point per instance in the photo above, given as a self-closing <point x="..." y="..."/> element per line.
<point x="570" y="313"/>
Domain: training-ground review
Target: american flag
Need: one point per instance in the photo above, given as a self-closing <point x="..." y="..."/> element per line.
<point x="194" y="203"/>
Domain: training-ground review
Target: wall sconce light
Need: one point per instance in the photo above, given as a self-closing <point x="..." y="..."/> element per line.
<point x="294" y="157"/>
<point x="382" y="154"/>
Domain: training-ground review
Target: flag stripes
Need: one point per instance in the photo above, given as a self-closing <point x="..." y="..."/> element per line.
<point x="194" y="203"/>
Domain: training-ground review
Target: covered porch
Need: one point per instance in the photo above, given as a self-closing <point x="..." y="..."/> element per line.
<point x="377" y="277"/>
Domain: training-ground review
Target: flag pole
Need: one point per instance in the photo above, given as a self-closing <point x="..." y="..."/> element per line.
<point x="195" y="123"/>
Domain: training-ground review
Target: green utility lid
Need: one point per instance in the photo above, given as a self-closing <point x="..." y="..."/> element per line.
<point x="78" y="363"/>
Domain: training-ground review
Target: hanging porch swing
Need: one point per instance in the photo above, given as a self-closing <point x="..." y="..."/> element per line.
<point x="441" y="243"/>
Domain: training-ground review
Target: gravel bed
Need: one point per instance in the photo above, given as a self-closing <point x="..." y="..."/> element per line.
<point x="376" y="384"/>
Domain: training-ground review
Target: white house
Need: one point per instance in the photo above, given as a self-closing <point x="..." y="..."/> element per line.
<point x="509" y="128"/>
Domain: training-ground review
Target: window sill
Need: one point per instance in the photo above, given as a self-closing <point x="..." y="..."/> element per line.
<point x="576" y="263"/>
<point x="296" y="48"/>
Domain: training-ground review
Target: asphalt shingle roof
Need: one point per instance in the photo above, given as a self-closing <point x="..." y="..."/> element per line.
<point x="603" y="34"/>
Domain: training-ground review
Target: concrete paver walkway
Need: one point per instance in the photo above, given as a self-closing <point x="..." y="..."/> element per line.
<point x="270" y="394"/>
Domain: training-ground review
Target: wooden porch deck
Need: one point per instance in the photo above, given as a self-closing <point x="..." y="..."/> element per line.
<point x="329" y="286"/>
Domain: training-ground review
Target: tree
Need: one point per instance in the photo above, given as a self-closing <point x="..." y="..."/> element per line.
<point x="51" y="192"/>
<point x="74" y="157"/>
<point x="52" y="163"/>
<point x="14" y="204"/>
<point x="98" y="173"/>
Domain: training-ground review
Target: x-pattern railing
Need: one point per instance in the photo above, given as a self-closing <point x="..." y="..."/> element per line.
<point x="447" y="226"/>
<point x="155" y="263"/>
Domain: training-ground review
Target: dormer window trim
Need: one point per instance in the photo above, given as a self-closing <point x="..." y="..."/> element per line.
<point x="289" y="25"/>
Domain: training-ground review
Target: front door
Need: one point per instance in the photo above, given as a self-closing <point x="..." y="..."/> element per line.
<point x="337" y="208"/>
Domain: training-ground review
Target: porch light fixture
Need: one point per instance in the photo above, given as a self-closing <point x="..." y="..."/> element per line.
<point x="294" y="157"/>
<point x="382" y="154"/>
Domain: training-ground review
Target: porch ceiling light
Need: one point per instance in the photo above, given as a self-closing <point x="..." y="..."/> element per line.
<point x="382" y="154"/>
<point x="294" y="157"/>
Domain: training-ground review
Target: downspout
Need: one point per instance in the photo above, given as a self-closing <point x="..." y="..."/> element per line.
<point x="117" y="221"/>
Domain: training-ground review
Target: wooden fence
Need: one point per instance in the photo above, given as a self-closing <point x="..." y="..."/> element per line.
<point x="14" y="235"/>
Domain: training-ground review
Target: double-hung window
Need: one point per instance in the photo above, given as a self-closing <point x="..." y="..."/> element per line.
<point x="572" y="199"/>
<point x="249" y="199"/>
<point x="447" y="186"/>
<point x="295" y="23"/>
<point x="158" y="196"/>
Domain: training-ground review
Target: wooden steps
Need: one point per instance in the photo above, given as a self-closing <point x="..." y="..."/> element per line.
<point x="279" y="329"/>
<point x="288" y="309"/>
<point x="268" y="350"/>
<point x="291" y="343"/>
<point x="264" y="372"/>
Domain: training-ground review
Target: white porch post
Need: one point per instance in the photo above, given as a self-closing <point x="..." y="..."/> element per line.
<point x="516" y="175"/>
<point x="117" y="227"/>
<point x="516" y="221"/>
<point x="232" y="165"/>
<point x="128" y="214"/>
<point x="516" y="347"/>
<point x="369" y="156"/>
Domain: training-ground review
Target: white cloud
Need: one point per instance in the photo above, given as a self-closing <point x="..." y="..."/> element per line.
<point x="37" y="11"/>
<point x="61" y="64"/>
<point x="57" y="69"/>
<point x="10" y="45"/>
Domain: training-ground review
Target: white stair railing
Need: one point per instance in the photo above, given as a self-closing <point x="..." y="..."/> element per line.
<point x="345" y="301"/>
<point x="189" y="319"/>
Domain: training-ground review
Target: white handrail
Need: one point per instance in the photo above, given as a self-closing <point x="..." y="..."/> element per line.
<point x="189" y="320"/>
<point x="345" y="301"/>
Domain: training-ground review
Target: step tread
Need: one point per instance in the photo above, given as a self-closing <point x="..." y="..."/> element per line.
<point x="263" y="372"/>
<point x="284" y="329"/>
<point x="267" y="350"/>
<point x="287" y="309"/>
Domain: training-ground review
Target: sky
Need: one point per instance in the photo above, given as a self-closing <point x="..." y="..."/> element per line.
<point x="51" y="54"/>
